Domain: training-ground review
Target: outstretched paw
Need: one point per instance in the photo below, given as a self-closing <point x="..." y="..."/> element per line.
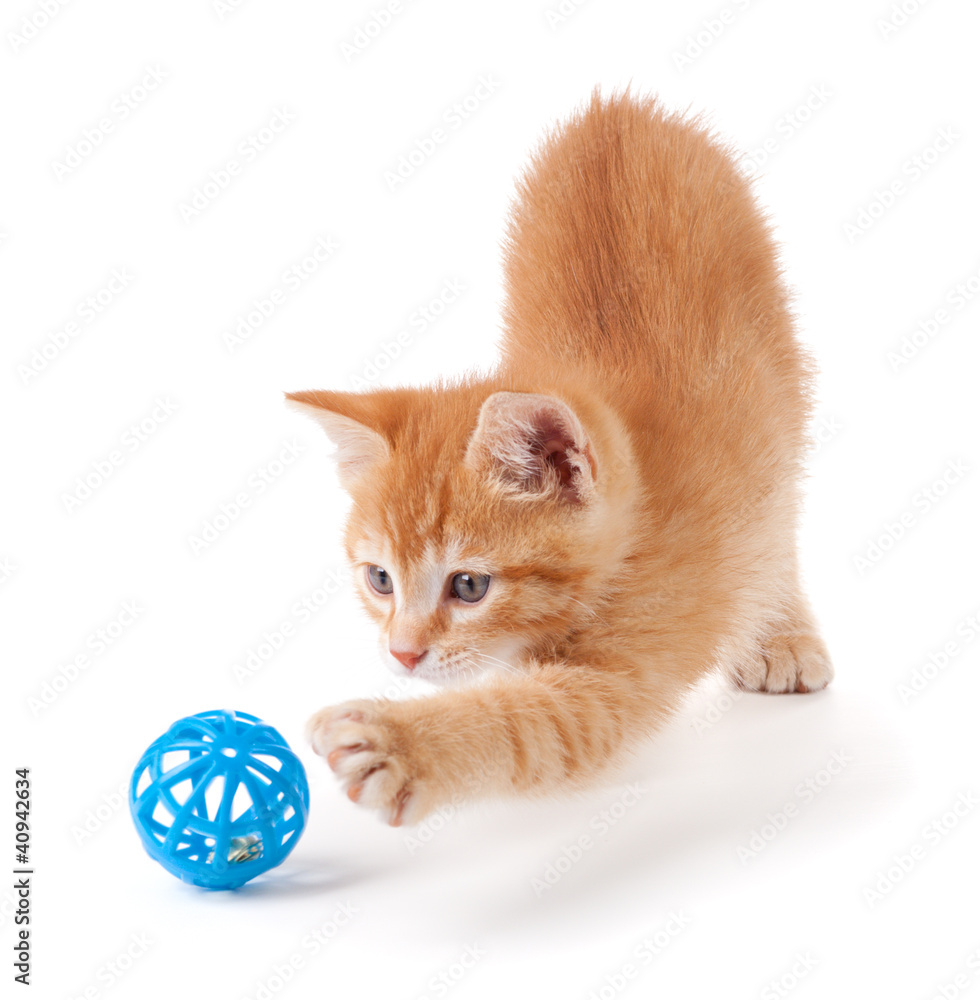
<point x="365" y="750"/>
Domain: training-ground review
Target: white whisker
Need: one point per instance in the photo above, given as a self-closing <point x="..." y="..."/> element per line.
<point x="492" y="660"/>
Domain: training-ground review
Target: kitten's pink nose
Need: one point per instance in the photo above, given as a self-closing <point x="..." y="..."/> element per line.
<point x="408" y="657"/>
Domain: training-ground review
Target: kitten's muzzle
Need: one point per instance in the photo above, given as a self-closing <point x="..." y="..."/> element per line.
<point x="408" y="658"/>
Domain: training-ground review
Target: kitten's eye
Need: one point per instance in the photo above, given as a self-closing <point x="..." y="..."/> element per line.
<point x="469" y="587"/>
<point x="380" y="580"/>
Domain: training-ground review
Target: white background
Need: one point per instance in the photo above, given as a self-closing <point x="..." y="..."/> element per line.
<point x="880" y="97"/>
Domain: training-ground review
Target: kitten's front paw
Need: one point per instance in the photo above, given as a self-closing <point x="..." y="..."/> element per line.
<point x="366" y="751"/>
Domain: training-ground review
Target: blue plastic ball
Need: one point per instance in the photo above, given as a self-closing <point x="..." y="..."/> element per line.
<point x="219" y="799"/>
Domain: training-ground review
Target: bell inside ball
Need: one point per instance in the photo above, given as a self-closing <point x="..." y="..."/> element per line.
<point x="219" y="798"/>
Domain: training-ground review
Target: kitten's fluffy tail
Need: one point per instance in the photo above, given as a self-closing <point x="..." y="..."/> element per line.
<point x="633" y="234"/>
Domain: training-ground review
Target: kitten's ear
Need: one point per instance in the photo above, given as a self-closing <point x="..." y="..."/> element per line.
<point x="345" y="416"/>
<point x="534" y="443"/>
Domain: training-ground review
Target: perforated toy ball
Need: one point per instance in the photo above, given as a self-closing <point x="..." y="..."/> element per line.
<point x="219" y="799"/>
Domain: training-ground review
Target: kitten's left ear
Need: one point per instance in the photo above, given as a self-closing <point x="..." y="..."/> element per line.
<point x="534" y="443"/>
<point x="346" y="417"/>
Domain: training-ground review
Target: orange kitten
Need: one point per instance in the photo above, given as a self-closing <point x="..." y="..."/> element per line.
<point x="608" y="517"/>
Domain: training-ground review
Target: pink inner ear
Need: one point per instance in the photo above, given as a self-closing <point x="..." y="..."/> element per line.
<point x="523" y="437"/>
<point x="556" y="455"/>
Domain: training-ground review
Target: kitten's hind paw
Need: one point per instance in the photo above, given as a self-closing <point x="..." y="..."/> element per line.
<point x="786" y="663"/>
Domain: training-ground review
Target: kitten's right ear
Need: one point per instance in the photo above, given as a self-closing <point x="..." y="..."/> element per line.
<point x="535" y="444"/>
<point x="342" y="416"/>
